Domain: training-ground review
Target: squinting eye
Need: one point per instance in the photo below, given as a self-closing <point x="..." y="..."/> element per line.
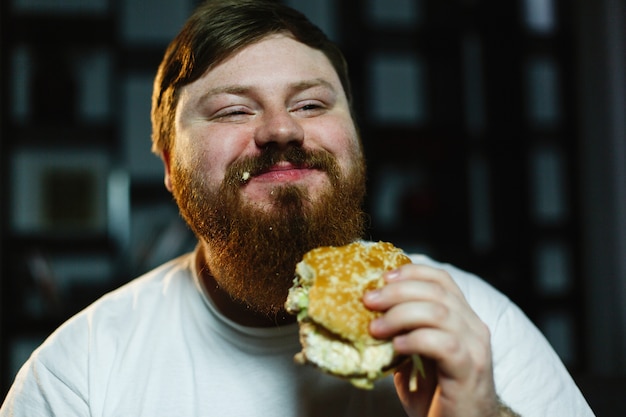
<point x="310" y="108"/>
<point x="231" y="114"/>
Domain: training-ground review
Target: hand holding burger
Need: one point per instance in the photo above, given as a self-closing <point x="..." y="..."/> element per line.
<point x="426" y="313"/>
<point x="365" y="310"/>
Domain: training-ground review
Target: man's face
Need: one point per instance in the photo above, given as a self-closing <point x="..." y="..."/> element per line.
<point x="276" y="93"/>
<point x="266" y="164"/>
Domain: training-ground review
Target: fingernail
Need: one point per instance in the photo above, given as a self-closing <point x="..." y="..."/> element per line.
<point x="372" y="295"/>
<point x="376" y="325"/>
<point x="400" y="342"/>
<point x="391" y="275"/>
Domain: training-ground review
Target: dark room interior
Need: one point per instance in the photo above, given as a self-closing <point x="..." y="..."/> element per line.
<point x="495" y="136"/>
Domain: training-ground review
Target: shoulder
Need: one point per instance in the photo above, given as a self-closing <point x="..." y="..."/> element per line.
<point x="508" y="324"/>
<point x="112" y="332"/>
<point x="118" y="314"/>
<point x="149" y="288"/>
<point x="520" y="352"/>
<point x="487" y="301"/>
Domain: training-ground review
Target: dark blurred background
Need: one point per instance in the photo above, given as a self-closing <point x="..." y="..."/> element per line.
<point x="495" y="134"/>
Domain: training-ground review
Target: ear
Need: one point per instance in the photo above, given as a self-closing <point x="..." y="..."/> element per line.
<point x="165" y="155"/>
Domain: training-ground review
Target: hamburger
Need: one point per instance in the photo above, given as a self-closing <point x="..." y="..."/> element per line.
<point x="333" y="322"/>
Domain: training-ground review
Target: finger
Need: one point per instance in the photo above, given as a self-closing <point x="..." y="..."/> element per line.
<point x="443" y="302"/>
<point x="423" y="273"/>
<point x="442" y="347"/>
<point x="456" y="356"/>
<point x="404" y="291"/>
<point x="408" y="316"/>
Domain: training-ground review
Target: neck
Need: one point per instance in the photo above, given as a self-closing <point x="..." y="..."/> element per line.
<point x="231" y="308"/>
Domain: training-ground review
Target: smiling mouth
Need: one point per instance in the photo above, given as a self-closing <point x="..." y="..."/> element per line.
<point x="282" y="171"/>
<point x="281" y="166"/>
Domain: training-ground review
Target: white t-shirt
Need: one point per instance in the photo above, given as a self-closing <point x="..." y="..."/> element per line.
<point x="158" y="347"/>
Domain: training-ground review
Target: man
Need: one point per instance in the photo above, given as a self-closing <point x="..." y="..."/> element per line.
<point x="252" y="118"/>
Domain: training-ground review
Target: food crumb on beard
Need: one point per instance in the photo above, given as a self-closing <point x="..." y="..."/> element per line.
<point x="245" y="177"/>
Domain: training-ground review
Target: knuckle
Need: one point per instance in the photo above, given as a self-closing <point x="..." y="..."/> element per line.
<point x="438" y="291"/>
<point x="449" y="347"/>
<point x="440" y="313"/>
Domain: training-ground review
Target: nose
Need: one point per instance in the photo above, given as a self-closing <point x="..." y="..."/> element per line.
<point x="280" y="128"/>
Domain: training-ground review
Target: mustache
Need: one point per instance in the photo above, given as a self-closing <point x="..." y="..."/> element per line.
<point x="243" y="169"/>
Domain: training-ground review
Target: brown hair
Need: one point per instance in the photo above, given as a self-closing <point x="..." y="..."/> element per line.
<point x="215" y="31"/>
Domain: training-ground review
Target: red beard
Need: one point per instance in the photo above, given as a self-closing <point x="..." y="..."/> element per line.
<point x="252" y="253"/>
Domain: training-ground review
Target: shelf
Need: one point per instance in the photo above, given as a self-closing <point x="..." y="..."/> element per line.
<point x="144" y="59"/>
<point x="21" y="323"/>
<point x="77" y="29"/>
<point x="54" y="243"/>
<point x="427" y="145"/>
<point x="45" y="136"/>
<point x="142" y="193"/>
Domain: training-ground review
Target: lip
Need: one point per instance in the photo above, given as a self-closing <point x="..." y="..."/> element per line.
<point x="283" y="172"/>
<point x="284" y="166"/>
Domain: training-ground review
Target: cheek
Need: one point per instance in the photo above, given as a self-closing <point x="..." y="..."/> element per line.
<point x="343" y="141"/>
<point x="337" y="134"/>
<point x="211" y="152"/>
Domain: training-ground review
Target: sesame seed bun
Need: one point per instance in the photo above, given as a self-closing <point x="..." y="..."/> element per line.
<point x="334" y="323"/>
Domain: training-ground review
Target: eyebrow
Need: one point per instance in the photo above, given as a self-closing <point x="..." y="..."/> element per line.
<point x="316" y="82"/>
<point x="243" y="89"/>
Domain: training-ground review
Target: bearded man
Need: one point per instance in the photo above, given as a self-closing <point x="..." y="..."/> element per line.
<point x="252" y="118"/>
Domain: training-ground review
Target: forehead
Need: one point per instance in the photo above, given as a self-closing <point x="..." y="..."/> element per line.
<point x="276" y="58"/>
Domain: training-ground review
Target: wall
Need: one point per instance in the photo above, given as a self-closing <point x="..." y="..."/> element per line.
<point x="602" y="97"/>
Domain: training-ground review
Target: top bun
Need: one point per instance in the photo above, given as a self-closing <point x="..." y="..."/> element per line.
<point x="341" y="276"/>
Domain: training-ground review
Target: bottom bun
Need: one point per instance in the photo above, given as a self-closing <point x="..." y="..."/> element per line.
<point x="338" y="357"/>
